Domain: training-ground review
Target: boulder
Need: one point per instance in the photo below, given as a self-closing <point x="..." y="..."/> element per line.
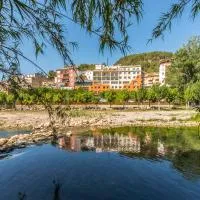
<point x="3" y="141"/>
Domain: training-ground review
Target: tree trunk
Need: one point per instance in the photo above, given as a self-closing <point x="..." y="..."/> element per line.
<point x="149" y="104"/>
<point x="159" y="105"/>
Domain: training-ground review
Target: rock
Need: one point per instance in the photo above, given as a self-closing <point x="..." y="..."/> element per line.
<point x="69" y="133"/>
<point x="3" y="141"/>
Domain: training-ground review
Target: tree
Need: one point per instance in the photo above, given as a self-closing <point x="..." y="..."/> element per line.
<point x="172" y="95"/>
<point x="2" y="98"/>
<point x="123" y="96"/>
<point x="185" y="67"/>
<point x="51" y="74"/>
<point x="110" y="96"/>
<point x="157" y="93"/>
<point x="162" y="92"/>
<point x="84" y="67"/>
<point x="141" y="95"/>
<point x="149" y="61"/>
<point x="10" y="100"/>
<point x="176" y="10"/>
<point x="192" y="93"/>
<point x="151" y="95"/>
<point x="95" y="99"/>
<point x="42" y="23"/>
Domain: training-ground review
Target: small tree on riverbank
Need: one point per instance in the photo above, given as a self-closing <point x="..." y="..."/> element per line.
<point x="110" y="96"/>
<point x="123" y="96"/>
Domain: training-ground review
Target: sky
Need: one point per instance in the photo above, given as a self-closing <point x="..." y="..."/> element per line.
<point x="88" y="49"/>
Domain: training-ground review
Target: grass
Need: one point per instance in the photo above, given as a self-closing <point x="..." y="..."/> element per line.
<point x="196" y="117"/>
<point x="84" y="113"/>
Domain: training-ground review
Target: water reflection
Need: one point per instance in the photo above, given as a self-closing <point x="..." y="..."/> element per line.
<point x="180" y="146"/>
<point x="141" y="163"/>
<point x="101" y="143"/>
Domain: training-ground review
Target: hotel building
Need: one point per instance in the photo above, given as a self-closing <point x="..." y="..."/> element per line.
<point x="116" y="77"/>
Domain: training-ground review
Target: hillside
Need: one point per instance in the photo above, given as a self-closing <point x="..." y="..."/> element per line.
<point x="148" y="61"/>
<point x="84" y="67"/>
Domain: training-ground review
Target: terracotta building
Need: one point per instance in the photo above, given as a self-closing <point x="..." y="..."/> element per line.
<point x="150" y="79"/>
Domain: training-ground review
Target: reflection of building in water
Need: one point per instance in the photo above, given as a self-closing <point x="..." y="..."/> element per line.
<point x="115" y="142"/>
<point x="161" y="148"/>
<point x="147" y="139"/>
<point x="99" y="143"/>
<point x="72" y="143"/>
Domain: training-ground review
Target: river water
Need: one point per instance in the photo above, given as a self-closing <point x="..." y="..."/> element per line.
<point x="119" y="163"/>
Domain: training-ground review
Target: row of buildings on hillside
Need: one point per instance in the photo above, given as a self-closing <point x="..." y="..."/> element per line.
<point x="101" y="78"/>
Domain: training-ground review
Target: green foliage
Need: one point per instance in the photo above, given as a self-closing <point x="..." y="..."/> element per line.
<point x="192" y="93"/>
<point x="149" y="61"/>
<point x="2" y="98"/>
<point x="176" y="10"/>
<point x="196" y="117"/>
<point x="185" y="67"/>
<point x="123" y="96"/>
<point x="110" y="96"/>
<point x="84" y="67"/>
<point x="51" y="74"/>
<point x="41" y="22"/>
<point x="151" y="95"/>
<point x="172" y="95"/>
<point x="49" y="96"/>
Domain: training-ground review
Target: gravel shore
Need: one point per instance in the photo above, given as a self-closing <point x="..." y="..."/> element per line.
<point x="31" y="120"/>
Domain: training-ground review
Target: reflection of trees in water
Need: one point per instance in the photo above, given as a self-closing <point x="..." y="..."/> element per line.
<point x="188" y="163"/>
<point x="180" y="146"/>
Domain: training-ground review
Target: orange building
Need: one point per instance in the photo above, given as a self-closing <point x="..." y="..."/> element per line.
<point x="135" y="84"/>
<point x="99" y="87"/>
<point x="150" y="79"/>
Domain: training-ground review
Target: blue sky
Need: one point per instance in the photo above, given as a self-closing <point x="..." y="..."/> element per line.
<point x="88" y="52"/>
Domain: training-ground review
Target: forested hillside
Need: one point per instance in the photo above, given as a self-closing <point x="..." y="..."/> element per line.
<point x="149" y="61"/>
<point x="84" y="67"/>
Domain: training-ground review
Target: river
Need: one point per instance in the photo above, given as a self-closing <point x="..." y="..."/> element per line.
<point x="105" y="164"/>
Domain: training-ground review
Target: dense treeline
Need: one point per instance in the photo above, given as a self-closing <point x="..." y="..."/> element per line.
<point x="84" y="67"/>
<point x="155" y="94"/>
<point x="148" y="61"/>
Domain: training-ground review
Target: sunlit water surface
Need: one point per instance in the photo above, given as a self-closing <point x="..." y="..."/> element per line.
<point x="121" y="163"/>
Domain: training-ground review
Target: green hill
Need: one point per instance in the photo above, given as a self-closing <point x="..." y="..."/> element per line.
<point x="149" y="61"/>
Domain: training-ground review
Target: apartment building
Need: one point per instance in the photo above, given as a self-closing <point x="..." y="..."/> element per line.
<point x="66" y="77"/>
<point x="150" y="79"/>
<point x="164" y="64"/>
<point x="88" y="75"/>
<point x="116" y="77"/>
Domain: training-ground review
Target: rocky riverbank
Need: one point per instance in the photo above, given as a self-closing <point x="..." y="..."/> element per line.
<point x="39" y="119"/>
<point x="38" y="122"/>
<point x="36" y="137"/>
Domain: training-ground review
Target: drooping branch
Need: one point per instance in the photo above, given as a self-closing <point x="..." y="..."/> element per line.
<point x="176" y="10"/>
